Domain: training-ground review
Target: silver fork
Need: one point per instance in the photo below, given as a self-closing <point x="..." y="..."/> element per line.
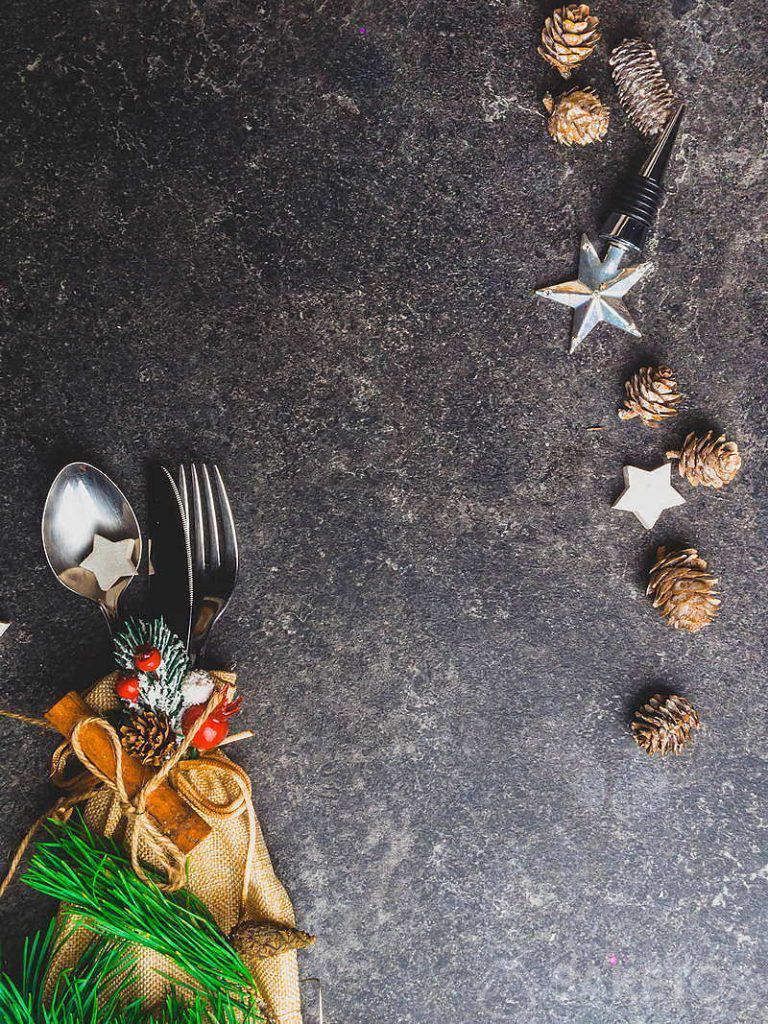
<point x="213" y="544"/>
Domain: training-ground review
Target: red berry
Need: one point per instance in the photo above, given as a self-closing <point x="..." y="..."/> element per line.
<point x="147" y="658"/>
<point x="127" y="686"/>
<point x="214" y="729"/>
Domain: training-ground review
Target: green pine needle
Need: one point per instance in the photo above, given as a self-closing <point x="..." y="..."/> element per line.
<point x="90" y="992"/>
<point x="78" y="994"/>
<point x="91" y="875"/>
<point x="178" y="1010"/>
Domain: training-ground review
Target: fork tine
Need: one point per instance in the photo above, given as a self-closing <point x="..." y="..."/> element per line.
<point x="213" y="525"/>
<point x="184" y="492"/>
<point x="198" y="530"/>
<point x="227" y="533"/>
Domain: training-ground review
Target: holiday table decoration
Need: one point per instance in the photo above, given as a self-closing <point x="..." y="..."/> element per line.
<point x="652" y="396"/>
<point x="577" y="117"/>
<point x="569" y="37"/>
<point x="648" y="493"/>
<point x="683" y="589"/>
<point x="665" y="724"/>
<point x="165" y="880"/>
<point x="644" y="92"/>
<point x="708" y="460"/>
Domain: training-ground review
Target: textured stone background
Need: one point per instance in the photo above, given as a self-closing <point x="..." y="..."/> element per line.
<point x="254" y="233"/>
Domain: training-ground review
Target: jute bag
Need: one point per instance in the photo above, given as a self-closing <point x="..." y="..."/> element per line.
<point x="230" y="871"/>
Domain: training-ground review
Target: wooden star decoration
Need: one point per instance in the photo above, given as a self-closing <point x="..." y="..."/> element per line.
<point x="647" y="493"/>
<point x="110" y="561"/>
<point x="597" y="293"/>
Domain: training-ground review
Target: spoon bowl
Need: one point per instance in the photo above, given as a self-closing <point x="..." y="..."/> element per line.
<point x="91" y="536"/>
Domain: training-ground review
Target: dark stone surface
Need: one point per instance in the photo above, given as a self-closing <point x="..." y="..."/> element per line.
<point x="256" y="234"/>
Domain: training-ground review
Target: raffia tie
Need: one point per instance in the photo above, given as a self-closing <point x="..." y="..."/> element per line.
<point x="141" y="826"/>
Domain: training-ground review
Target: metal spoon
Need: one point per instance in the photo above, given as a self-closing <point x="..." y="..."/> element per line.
<point x="87" y="520"/>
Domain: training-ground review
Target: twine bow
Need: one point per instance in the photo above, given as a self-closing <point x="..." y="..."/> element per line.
<point x="141" y="828"/>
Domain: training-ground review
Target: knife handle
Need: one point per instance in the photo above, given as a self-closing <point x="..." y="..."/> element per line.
<point x="174" y="816"/>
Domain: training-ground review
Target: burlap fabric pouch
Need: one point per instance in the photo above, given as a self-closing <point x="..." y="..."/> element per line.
<point x="216" y="870"/>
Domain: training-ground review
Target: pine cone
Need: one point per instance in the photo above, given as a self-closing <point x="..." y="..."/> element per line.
<point x="262" y="939"/>
<point x="577" y="117"/>
<point x="665" y="724"/>
<point x="644" y="93"/>
<point x="707" y="461"/>
<point x="149" y="736"/>
<point x="683" y="589"/>
<point x="652" y="395"/>
<point x="569" y="36"/>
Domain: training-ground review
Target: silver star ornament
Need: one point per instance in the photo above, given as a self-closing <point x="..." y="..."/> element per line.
<point x="597" y="292"/>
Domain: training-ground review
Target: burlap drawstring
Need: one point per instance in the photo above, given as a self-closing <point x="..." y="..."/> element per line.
<point x="242" y="804"/>
<point x="230" y="871"/>
<point x="141" y="826"/>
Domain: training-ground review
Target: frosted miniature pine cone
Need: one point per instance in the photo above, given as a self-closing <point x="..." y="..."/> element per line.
<point x="711" y="462"/>
<point x="149" y="736"/>
<point x="644" y="93"/>
<point x="683" y="589"/>
<point x="577" y="117"/>
<point x="569" y="36"/>
<point x="665" y="725"/>
<point x="652" y="395"/>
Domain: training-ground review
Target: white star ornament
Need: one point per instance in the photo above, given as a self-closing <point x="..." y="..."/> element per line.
<point x="647" y="493"/>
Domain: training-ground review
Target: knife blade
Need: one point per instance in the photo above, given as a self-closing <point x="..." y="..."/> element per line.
<point x="170" y="583"/>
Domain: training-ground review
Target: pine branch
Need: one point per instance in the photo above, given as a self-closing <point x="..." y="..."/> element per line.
<point x="77" y="996"/>
<point x="90" y="992"/>
<point x="160" y="690"/>
<point x="91" y="875"/>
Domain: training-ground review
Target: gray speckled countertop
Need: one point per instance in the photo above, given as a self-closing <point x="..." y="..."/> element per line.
<point x="257" y="234"/>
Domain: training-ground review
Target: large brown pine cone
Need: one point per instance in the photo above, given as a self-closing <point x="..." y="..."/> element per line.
<point x="569" y="36"/>
<point x="261" y="939"/>
<point x="683" y="589"/>
<point x="149" y="736"/>
<point x="577" y="117"/>
<point x="652" y="395"/>
<point x="711" y="462"/>
<point x="665" y="724"/>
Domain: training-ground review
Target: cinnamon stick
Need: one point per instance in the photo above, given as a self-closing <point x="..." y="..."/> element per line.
<point x="174" y="816"/>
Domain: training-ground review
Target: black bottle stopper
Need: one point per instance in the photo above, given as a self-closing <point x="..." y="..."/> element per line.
<point x="637" y="201"/>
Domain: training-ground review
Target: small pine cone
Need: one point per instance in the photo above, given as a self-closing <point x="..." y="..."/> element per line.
<point x="149" y="736"/>
<point x="683" y="589"/>
<point x="652" y="395"/>
<point x="577" y="117"/>
<point x="261" y="939"/>
<point x="665" y="725"/>
<point x="711" y="462"/>
<point x="569" y="36"/>
<point x="644" y="93"/>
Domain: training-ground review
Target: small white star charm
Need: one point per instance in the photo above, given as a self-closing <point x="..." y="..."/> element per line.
<point x="3" y="627"/>
<point x="647" y="493"/>
<point x="110" y="561"/>
<point x="597" y="292"/>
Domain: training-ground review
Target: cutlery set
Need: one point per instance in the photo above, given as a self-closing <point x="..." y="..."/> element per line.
<point x="152" y="775"/>
<point x="93" y="544"/>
